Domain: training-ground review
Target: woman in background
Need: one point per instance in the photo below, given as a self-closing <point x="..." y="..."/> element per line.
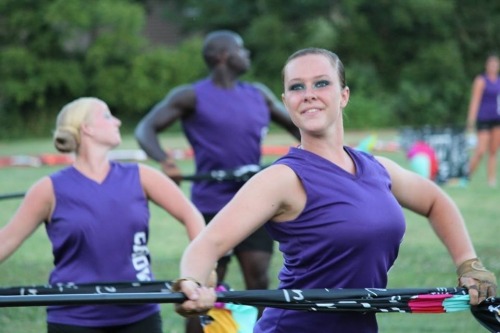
<point x="484" y="117"/>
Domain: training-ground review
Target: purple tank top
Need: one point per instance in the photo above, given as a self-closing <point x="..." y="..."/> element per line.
<point x="347" y="236"/>
<point x="489" y="107"/>
<point x="99" y="233"/>
<point x="226" y="131"/>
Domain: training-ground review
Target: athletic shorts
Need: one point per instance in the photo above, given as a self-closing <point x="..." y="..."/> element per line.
<point x="151" y="324"/>
<point x="258" y="241"/>
<point x="486" y="125"/>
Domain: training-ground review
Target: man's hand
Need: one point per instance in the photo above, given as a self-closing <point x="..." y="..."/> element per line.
<point x="170" y="168"/>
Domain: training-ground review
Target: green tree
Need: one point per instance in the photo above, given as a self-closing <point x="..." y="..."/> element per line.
<point x="408" y="62"/>
<point x="55" y="50"/>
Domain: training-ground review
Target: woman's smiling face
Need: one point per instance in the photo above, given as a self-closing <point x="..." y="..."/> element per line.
<point x="312" y="92"/>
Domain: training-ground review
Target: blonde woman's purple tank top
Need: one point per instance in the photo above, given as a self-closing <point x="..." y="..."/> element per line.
<point x="99" y="233"/>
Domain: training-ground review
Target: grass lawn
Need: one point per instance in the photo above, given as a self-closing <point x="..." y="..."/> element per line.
<point x="423" y="261"/>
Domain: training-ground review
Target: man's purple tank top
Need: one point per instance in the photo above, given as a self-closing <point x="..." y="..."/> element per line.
<point x="99" y="233"/>
<point x="489" y="107"/>
<point x="347" y="236"/>
<point x="226" y="132"/>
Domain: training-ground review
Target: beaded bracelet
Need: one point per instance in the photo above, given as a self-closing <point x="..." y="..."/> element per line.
<point x="176" y="284"/>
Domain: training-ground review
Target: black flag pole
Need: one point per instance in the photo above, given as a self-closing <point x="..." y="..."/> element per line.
<point x="404" y="300"/>
<point x="15" y="195"/>
<point x="240" y="174"/>
<point x="80" y="299"/>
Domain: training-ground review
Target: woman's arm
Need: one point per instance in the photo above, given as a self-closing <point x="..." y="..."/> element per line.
<point x="476" y="95"/>
<point x="424" y="197"/>
<point x="274" y="193"/>
<point x="35" y="208"/>
<point x="165" y="193"/>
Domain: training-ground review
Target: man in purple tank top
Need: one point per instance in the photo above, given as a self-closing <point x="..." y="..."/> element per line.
<point x="225" y="121"/>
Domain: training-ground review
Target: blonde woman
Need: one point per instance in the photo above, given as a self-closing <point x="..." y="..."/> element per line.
<point x="97" y="218"/>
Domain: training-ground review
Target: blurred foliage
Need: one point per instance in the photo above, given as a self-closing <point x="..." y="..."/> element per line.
<point x="407" y="62"/>
<point x="52" y="51"/>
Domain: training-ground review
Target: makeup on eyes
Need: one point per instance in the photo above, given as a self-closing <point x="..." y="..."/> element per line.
<point x="317" y="84"/>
